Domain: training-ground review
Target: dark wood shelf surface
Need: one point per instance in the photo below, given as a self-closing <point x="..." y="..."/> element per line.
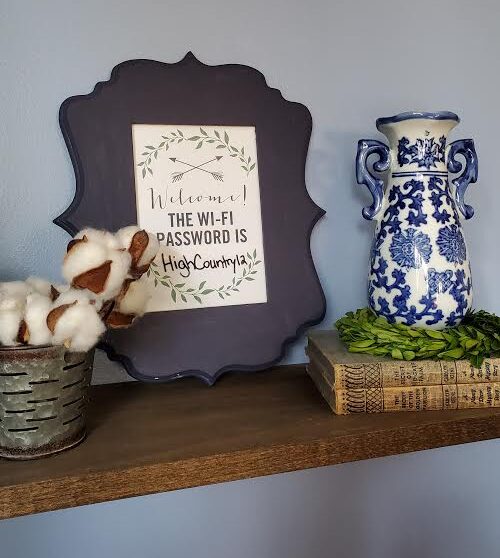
<point x="145" y="439"/>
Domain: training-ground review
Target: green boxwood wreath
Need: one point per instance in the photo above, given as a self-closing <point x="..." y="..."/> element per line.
<point x="476" y="338"/>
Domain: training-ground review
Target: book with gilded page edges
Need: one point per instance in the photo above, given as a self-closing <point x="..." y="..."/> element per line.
<point x="345" y="370"/>
<point x="405" y="398"/>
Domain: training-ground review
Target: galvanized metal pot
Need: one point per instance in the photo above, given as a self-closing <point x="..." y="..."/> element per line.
<point x="43" y="400"/>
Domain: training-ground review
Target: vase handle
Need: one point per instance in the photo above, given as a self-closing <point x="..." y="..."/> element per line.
<point x="364" y="176"/>
<point x="465" y="148"/>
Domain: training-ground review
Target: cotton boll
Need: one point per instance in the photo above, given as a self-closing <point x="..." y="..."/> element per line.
<point x="62" y="287"/>
<point x="14" y="289"/>
<point x="82" y="257"/>
<point x="79" y="296"/>
<point x="78" y="326"/>
<point x="72" y="295"/>
<point x="11" y="314"/>
<point x="126" y="234"/>
<point x="129" y="304"/>
<point x="146" y="246"/>
<point x="12" y="302"/>
<point x="143" y="247"/>
<point x="120" y="265"/>
<point x="57" y="290"/>
<point x="101" y="237"/>
<point x="10" y="321"/>
<point x="135" y="298"/>
<point x="150" y="252"/>
<point x="37" y="309"/>
<point x="37" y="285"/>
<point x="8" y="303"/>
<point x="93" y="266"/>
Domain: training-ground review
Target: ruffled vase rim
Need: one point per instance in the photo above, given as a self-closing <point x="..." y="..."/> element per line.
<point x="417" y="115"/>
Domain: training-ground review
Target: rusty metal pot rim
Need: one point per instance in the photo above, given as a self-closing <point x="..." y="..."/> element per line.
<point x="26" y="347"/>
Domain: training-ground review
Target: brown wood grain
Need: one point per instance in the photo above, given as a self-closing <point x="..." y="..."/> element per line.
<point x="154" y="438"/>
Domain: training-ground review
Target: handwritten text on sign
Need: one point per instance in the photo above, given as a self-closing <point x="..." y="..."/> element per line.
<point x="197" y="189"/>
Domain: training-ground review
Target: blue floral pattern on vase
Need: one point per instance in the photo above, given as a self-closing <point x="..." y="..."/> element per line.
<point x="411" y="248"/>
<point x="452" y="244"/>
<point x="440" y="281"/>
<point x="419" y="271"/>
<point x="426" y="152"/>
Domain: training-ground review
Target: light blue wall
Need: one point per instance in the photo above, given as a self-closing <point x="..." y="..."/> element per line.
<point x="349" y="62"/>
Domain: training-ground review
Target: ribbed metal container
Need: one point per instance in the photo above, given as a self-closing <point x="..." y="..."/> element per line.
<point x="43" y="400"/>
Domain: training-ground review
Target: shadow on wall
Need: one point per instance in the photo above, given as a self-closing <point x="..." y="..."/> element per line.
<point x="343" y="234"/>
<point x="340" y="242"/>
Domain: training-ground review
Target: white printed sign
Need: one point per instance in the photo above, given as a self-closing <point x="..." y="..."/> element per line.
<point x="197" y="189"/>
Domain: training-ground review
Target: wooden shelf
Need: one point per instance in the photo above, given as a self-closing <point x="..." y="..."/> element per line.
<point x="154" y="438"/>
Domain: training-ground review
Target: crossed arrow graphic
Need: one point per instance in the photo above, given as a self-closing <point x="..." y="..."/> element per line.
<point x="176" y="176"/>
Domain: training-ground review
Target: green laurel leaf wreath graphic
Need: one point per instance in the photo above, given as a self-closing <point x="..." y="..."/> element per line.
<point x="181" y="292"/>
<point x="150" y="153"/>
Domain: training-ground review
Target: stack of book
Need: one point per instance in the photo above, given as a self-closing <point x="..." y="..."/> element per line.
<point x="359" y="383"/>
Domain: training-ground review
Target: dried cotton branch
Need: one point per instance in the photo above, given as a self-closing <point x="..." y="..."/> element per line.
<point x="103" y="271"/>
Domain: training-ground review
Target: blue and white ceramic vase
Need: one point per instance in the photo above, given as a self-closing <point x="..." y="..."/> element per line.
<point x="419" y="270"/>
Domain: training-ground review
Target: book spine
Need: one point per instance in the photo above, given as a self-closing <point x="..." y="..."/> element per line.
<point x="385" y="400"/>
<point x="488" y="372"/>
<point x="396" y="373"/>
<point x="389" y="373"/>
<point x="410" y="398"/>
<point x="418" y="398"/>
